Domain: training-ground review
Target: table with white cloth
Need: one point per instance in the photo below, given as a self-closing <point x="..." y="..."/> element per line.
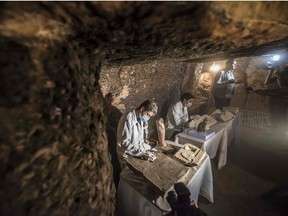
<point x="136" y="197"/>
<point x="225" y="132"/>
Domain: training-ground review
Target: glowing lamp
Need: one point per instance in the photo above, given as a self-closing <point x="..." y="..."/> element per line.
<point x="276" y="57"/>
<point x="214" y="67"/>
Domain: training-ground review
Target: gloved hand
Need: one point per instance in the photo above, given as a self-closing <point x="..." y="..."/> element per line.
<point x="145" y="147"/>
<point x="231" y="81"/>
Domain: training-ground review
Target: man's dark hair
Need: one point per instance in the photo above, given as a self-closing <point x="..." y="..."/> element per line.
<point x="230" y="61"/>
<point x="149" y="105"/>
<point x="186" y="96"/>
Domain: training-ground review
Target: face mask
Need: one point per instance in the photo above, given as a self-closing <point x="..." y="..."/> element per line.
<point x="144" y="118"/>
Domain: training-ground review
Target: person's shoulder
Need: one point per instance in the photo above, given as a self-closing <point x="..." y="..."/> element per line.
<point x="130" y="114"/>
<point x="177" y="105"/>
<point x="223" y="70"/>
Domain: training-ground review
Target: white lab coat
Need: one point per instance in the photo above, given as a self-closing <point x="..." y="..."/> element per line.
<point x="131" y="136"/>
<point x="177" y="116"/>
<point x="223" y="89"/>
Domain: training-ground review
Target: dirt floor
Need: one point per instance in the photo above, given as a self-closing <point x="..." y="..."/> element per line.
<point x="256" y="165"/>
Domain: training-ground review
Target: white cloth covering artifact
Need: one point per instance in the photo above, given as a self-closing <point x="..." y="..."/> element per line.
<point x="177" y="116"/>
<point x="131" y="137"/>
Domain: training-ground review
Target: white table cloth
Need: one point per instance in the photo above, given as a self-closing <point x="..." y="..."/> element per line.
<point x="134" y="195"/>
<point x="225" y="132"/>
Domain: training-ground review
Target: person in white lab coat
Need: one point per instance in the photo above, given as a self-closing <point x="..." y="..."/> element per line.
<point x="224" y="85"/>
<point x="177" y="116"/>
<point x="132" y="131"/>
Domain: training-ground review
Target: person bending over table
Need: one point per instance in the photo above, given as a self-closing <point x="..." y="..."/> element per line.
<point x="132" y="131"/>
<point x="177" y="116"/>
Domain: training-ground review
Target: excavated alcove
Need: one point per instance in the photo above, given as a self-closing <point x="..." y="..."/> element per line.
<point x="69" y="69"/>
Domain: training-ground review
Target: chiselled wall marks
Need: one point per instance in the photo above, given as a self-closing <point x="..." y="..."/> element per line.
<point x="131" y="85"/>
<point x="54" y="153"/>
<point x="256" y="75"/>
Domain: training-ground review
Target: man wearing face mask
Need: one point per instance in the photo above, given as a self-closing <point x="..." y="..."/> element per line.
<point x="132" y="131"/>
<point x="177" y="116"/>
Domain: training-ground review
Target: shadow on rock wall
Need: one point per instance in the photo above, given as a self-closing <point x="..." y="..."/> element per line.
<point x="15" y="67"/>
<point x="113" y="116"/>
<point x="14" y="88"/>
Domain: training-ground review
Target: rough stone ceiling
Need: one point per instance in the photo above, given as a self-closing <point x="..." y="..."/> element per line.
<point x="143" y="31"/>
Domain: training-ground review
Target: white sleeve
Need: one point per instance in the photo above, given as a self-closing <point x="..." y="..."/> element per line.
<point x="185" y="116"/>
<point x="176" y="115"/>
<point x="126" y="133"/>
<point x="180" y="117"/>
<point x="221" y="79"/>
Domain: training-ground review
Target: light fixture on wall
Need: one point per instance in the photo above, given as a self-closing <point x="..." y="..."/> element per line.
<point x="276" y="57"/>
<point x="214" y="67"/>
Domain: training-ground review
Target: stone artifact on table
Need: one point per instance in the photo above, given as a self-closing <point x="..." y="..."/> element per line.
<point x="190" y="155"/>
<point x="202" y="126"/>
<point x="197" y="119"/>
<point x="216" y="113"/>
<point x="233" y="110"/>
<point x="158" y="177"/>
<point x="162" y="173"/>
<point x="211" y="121"/>
<point x="161" y="137"/>
<point x="161" y="132"/>
<point x="226" y="116"/>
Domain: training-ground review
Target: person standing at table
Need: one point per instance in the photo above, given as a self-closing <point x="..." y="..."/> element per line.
<point x="132" y="131"/>
<point x="177" y="116"/>
<point x="224" y="85"/>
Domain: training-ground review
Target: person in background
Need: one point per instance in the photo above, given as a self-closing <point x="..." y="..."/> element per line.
<point x="224" y="85"/>
<point x="278" y="102"/>
<point x="177" y="116"/>
<point x="132" y="131"/>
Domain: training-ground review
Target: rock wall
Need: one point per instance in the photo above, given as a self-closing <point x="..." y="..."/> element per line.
<point x="54" y="154"/>
<point x="256" y="75"/>
<point x="250" y="70"/>
<point x="129" y="86"/>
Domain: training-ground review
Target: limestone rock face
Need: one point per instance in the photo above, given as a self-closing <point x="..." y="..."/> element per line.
<point x="70" y="69"/>
<point x="54" y="154"/>
<point x="129" y="86"/>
